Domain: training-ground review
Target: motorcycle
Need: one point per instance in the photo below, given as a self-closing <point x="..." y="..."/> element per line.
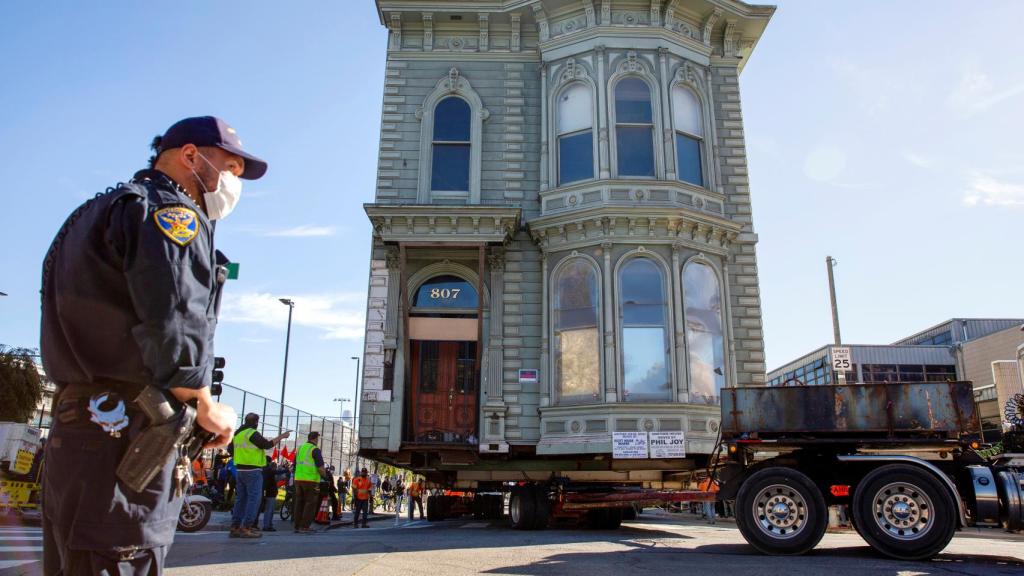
<point x="196" y="511"/>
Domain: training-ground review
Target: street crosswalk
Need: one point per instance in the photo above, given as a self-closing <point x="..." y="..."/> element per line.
<point x="20" y="546"/>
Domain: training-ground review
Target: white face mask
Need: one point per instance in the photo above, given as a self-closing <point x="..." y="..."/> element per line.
<point x="223" y="200"/>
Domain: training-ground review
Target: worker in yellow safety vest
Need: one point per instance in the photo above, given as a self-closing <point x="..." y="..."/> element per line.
<point x="248" y="448"/>
<point x="416" y="497"/>
<point x="309" y="467"/>
<point x="361" y="487"/>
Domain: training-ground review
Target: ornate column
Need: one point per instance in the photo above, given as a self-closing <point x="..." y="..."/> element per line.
<point x="543" y="126"/>
<point x="667" y="144"/>
<point x="602" y="115"/>
<point x="546" y="384"/>
<point x="610" y="357"/>
<point x="392" y="314"/>
<point x="678" y="320"/>
<point x="493" y="425"/>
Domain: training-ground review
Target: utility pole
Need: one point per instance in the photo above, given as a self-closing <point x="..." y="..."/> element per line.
<point x="284" y="378"/>
<point x="831" y="263"/>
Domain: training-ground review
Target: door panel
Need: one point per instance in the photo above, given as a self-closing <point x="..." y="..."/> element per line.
<point x="444" y="399"/>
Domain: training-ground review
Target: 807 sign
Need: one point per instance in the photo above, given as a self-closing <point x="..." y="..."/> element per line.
<point x="445" y="293"/>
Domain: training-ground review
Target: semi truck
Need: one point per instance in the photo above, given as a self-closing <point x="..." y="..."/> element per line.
<point x="902" y="458"/>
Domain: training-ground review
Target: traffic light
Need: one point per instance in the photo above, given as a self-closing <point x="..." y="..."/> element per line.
<point x="218" y="375"/>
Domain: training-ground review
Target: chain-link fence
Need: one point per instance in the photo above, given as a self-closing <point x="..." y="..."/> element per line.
<point x="338" y="444"/>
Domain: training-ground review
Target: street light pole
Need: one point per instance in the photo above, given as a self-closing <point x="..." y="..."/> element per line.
<point x="355" y="416"/>
<point x="341" y="420"/>
<point x="831" y="263"/>
<point x="284" y="378"/>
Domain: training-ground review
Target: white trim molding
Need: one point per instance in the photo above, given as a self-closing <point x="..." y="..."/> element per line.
<point x="454" y="84"/>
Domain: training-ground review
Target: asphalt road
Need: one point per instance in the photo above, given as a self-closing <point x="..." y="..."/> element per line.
<point x="657" y="543"/>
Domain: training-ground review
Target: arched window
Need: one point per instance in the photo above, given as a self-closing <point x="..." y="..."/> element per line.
<point x="688" y="121"/>
<point x="575" y="134"/>
<point x="577" y="344"/>
<point x="446" y="291"/>
<point x="449" y="169"/>
<point x="704" y="338"/>
<point x="645" y="340"/>
<point x="634" y="128"/>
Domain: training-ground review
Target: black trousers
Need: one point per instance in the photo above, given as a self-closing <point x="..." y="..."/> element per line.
<point x="92" y="524"/>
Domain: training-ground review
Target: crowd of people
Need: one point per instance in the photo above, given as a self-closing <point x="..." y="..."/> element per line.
<point x="233" y="480"/>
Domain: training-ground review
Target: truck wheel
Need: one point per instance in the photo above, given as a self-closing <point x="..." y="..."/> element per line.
<point x="629" y="513"/>
<point x="780" y="511"/>
<point x="541" y="508"/>
<point x="433" y="509"/>
<point x="904" y="512"/>
<point x="521" y="507"/>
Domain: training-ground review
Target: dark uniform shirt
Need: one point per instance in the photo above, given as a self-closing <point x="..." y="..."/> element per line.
<point x="131" y="289"/>
<point x="123" y="300"/>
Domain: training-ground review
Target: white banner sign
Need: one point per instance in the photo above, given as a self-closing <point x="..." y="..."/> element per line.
<point x="629" y="444"/>
<point x="377" y="396"/>
<point x="668" y="445"/>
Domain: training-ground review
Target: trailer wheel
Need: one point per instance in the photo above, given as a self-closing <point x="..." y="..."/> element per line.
<point x="434" y="509"/>
<point x="604" y="518"/>
<point x="541" y="508"/>
<point x="904" y="512"/>
<point x="780" y="511"/>
<point x="521" y="508"/>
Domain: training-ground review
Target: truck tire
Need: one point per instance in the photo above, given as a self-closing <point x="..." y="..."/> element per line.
<point x="434" y="509"/>
<point x="521" y="507"/>
<point x="780" y="511"/>
<point x="904" y="512"/>
<point x="604" y="518"/>
<point x="541" y="508"/>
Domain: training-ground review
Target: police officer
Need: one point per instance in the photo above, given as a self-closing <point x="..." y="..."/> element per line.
<point x="131" y="289"/>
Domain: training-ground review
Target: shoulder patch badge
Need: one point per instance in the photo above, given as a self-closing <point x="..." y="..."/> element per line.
<point x="177" y="223"/>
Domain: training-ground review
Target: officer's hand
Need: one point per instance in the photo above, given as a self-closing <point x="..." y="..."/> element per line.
<point x="287" y="434"/>
<point x="218" y="419"/>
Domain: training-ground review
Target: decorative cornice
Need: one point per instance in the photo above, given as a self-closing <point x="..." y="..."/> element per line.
<point x="443" y="224"/>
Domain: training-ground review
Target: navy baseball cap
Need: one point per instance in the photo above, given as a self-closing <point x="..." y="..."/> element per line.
<point x="211" y="131"/>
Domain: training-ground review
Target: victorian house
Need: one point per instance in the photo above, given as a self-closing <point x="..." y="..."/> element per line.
<point x="563" y="243"/>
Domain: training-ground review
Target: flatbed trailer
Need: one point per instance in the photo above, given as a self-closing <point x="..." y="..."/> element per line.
<point x="901" y="457"/>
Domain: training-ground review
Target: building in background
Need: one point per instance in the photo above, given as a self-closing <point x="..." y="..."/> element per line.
<point x="958" y="349"/>
<point x="563" y="245"/>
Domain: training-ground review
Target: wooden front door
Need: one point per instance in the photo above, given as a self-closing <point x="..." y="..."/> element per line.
<point x="444" y="399"/>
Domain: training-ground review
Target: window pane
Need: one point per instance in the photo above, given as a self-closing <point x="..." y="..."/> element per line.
<point x="429" y="354"/>
<point x="644" y="364"/>
<point x="575" y="109"/>
<point x="645" y="345"/>
<point x="704" y="338"/>
<point x="578" y="364"/>
<point x="633" y="102"/>
<point x="636" y="150"/>
<point x="688" y="162"/>
<point x="575" y="157"/>
<point x="451" y="120"/>
<point x="643" y="300"/>
<point x="686" y="115"/>
<point x="450" y="168"/>
<point x="445" y="292"/>
<point x="577" y="345"/>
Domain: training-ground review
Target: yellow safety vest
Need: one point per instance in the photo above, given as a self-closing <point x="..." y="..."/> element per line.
<point x="305" y="465"/>
<point x="246" y="453"/>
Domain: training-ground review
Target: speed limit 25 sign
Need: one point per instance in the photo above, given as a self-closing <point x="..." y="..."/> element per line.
<point x="841" y="358"/>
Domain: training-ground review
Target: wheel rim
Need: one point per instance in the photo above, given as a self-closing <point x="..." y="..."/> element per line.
<point x="191" y="514"/>
<point x="780" y="511"/>
<point x="903" y="511"/>
<point x="515" y="509"/>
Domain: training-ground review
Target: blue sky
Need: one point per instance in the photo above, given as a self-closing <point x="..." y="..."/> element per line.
<point x="882" y="133"/>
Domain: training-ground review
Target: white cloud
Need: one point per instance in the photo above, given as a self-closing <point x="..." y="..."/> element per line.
<point x="336" y="315"/>
<point x="976" y="93"/>
<point x="302" y="231"/>
<point x="985" y="190"/>
<point x="824" y="164"/>
<point x="918" y="160"/>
